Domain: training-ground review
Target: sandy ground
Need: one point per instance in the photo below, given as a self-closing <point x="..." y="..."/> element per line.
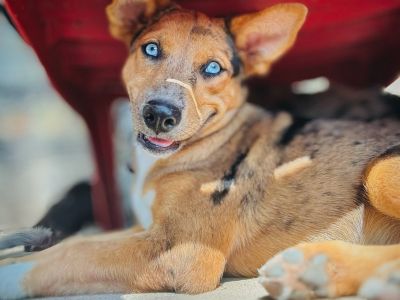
<point x="229" y="289"/>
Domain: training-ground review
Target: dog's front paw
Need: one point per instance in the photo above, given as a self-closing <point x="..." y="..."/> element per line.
<point x="384" y="284"/>
<point x="311" y="270"/>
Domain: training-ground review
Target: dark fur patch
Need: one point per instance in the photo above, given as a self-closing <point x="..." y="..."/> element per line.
<point x="313" y="153"/>
<point x="235" y="60"/>
<point x="227" y="180"/>
<point x="136" y="34"/>
<point x="392" y="151"/>
<point x="68" y="215"/>
<point x="292" y="131"/>
<point x="361" y="195"/>
<point x="171" y="272"/>
<point x="393" y="102"/>
<point x="288" y="224"/>
<point x="200" y="30"/>
<point x="168" y="245"/>
<point x="245" y="200"/>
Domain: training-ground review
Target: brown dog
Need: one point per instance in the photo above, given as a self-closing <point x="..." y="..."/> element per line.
<point x="223" y="186"/>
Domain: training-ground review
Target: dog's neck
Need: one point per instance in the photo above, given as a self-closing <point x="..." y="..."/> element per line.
<point x="196" y="154"/>
<point x="201" y="153"/>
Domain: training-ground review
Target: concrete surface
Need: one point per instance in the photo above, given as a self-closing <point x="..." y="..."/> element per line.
<point x="229" y="289"/>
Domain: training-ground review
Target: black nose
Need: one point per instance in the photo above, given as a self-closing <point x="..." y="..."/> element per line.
<point x="160" y="116"/>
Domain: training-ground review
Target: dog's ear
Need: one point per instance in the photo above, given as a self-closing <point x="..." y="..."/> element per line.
<point x="262" y="37"/>
<point x="125" y="17"/>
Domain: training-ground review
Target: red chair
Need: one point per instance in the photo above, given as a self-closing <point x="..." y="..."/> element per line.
<point x="351" y="41"/>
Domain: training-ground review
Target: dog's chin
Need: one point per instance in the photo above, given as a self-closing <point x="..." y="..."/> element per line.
<point x="156" y="145"/>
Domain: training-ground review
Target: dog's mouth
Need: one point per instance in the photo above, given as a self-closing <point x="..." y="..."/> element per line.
<point x="157" y="145"/>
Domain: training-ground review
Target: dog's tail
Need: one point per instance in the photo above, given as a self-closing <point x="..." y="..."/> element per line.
<point x="37" y="237"/>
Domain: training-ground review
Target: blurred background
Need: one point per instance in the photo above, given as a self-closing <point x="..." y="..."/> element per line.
<point x="44" y="146"/>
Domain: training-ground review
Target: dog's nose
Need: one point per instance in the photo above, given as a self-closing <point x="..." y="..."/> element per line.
<point x="160" y="116"/>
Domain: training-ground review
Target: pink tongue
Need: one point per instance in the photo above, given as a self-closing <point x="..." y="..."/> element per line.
<point x="160" y="142"/>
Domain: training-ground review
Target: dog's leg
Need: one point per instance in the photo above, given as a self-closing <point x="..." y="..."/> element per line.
<point x="325" y="269"/>
<point x="333" y="269"/>
<point x="383" y="187"/>
<point x="138" y="262"/>
<point x="383" y="183"/>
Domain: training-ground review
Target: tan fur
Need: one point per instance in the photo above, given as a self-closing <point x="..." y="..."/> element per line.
<point x="383" y="186"/>
<point x="220" y="207"/>
<point x="280" y="33"/>
<point x="124" y="16"/>
<point x="189" y="88"/>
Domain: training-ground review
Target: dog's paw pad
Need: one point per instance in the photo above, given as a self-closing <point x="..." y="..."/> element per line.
<point x="381" y="287"/>
<point x="293" y="256"/>
<point x="289" y="275"/>
<point x="314" y="274"/>
<point x="272" y="270"/>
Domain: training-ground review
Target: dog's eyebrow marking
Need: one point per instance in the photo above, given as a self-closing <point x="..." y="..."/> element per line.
<point x="292" y="167"/>
<point x="201" y="30"/>
<point x="188" y="87"/>
<point x="227" y="180"/>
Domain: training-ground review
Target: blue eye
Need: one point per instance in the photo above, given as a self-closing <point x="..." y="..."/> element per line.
<point x="212" y="68"/>
<point x="151" y="49"/>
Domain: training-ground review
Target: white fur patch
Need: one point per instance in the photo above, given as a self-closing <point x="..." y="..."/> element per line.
<point x="209" y="187"/>
<point x="142" y="202"/>
<point x="292" y="167"/>
<point x="11" y="280"/>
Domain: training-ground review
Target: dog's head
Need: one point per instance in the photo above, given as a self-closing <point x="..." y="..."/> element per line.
<point x="185" y="70"/>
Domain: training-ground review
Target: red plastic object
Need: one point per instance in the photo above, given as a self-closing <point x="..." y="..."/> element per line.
<point x="352" y="41"/>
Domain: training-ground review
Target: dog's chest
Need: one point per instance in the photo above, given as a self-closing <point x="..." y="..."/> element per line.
<point x="142" y="201"/>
